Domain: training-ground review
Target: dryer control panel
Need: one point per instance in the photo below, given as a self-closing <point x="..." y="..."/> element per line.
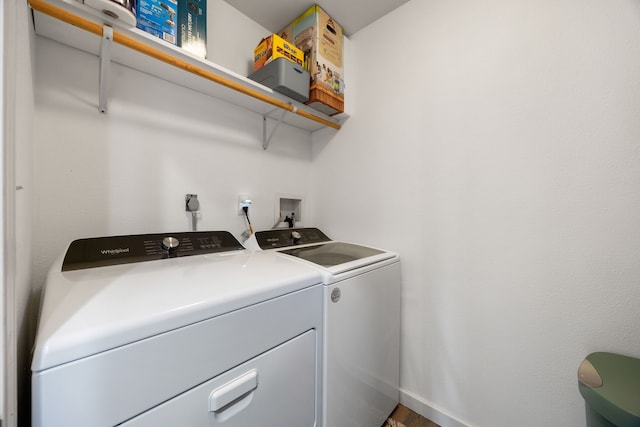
<point x="280" y="238"/>
<point x="114" y="250"/>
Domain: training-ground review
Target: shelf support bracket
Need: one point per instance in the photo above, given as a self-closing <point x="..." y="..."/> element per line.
<point x="105" y="60"/>
<point x="267" y="139"/>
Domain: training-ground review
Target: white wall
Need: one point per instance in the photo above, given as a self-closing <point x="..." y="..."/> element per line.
<point x="493" y="144"/>
<point x="231" y="37"/>
<point x="18" y="209"/>
<point x="128" y="171"/>
<point x="496" y="146"/>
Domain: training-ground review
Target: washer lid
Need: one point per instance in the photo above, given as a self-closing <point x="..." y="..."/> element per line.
<point x="92" y="310"/>
<point x="314" y="247"/>
<point x="333" y="253"/>
<point x="339" y="257"/>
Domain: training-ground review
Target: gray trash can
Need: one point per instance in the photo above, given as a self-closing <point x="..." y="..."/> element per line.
<point x="610" y="386"/>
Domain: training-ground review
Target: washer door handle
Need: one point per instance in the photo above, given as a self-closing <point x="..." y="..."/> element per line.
<point x="232" y="391"/>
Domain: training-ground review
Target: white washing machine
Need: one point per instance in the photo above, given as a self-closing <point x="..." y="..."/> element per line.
<point x="361" y="310"/>
<point x="133" y="332"/>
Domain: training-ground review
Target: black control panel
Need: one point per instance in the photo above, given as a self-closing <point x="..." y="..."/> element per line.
<point x="272" y="239"/>
<point x="114" y="250"/>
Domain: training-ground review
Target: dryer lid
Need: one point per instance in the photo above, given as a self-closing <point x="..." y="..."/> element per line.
<point x="88" y="311"/>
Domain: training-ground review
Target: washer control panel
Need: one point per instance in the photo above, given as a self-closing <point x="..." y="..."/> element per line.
<point x="114" y="250"/>
<point x="280" y="238"/>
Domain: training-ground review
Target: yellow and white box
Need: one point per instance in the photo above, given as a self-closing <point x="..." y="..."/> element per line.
<point x="274" y="47"/>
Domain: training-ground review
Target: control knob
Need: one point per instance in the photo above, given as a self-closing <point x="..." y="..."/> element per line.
<point x="170" y="244"/>
<point x="296" y="236"/>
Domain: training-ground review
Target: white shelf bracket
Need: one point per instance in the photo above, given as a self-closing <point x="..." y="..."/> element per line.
<point x="267" y="139"/>
<point x="105" y="60"/>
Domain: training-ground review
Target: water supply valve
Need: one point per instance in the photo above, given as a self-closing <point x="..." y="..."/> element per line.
<point x="192" y="205"/>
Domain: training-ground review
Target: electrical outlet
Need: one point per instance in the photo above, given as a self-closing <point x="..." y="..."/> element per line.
<point x="243" y="200"/>
<point x="191" y="203"/>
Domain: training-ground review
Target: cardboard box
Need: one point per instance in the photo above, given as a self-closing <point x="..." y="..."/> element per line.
<point x="285" y="77"/>
<point x="273" y="47"/>
<point x="325" y="100"/>
<point x="192" y="26"/>
<point x="159" y="18"/>
<point x="321" y="40"/>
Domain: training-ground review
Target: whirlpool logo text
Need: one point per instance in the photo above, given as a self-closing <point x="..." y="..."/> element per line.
<point x="114" y="251"/>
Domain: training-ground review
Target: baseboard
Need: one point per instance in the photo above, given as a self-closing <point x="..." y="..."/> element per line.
<point x="429" y="410"/>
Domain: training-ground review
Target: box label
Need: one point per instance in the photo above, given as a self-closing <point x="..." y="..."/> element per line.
<point x="158" y="17"/>
<point x="274" y="47"/>
<point x="192" y="26"/>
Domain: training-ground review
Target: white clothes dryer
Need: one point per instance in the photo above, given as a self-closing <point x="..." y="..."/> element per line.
<point x="133" y="332"/>
<point x="361" y="318"/>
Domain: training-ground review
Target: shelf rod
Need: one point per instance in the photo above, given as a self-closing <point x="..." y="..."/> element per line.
<point x="92" y="27"/>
